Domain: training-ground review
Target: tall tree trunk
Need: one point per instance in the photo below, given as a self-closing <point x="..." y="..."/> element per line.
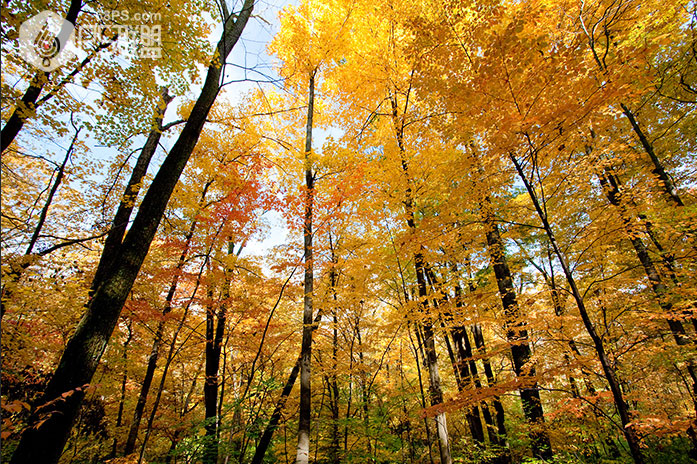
<point x="429" y="343"/>
<point x="608" y="368"/>
<point x="124" y="378"/>
<point x="215" y="332"/>
<point x="464" y="368"/>
<point x="170" y="357"/>
<point x="303" y="451"/>
<point x="658" y="169"/>
<point x="419" y="358"/>
<point x="52" y="420"/>
<point x="27" y="106"/>
<point x="333" y="382"/>
<point x="517" y="336"/>
<point x="500" y="433"/>
<point x="611" y="185"/>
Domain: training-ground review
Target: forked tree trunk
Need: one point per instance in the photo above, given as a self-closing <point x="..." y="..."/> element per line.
<point x="52" y="420"/>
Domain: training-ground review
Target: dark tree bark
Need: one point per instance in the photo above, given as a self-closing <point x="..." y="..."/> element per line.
<point x="115" y="236"/>
<point x="27" y="106"/>
<point x="215" y="331"/>
<point x="303" y="452"/>
<point x="464" y="368"/>
<point x="658" y="169"/>
<point x="500" y="435"/>
<point x="333" y="381"/>
<point x="517" y="336"/>
<point x="51" y="422"/>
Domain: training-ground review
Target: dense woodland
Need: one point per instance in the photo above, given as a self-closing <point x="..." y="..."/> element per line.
<point x="482" y="218"/>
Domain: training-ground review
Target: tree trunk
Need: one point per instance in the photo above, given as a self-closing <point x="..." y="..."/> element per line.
<point x="658" y="169"/>
<point x="122" y="398"/>
<point x="611" y="186"/>
<point x="17" y="269"/>
<point x="333" y="382"/>
<point x="303" y="451"/>
<point x="115" y="236"/>
<point x="51" y="422"/>
<point x="435" y="391"/>
<point x="517" y="336"/>
<point x="215" y="332"/>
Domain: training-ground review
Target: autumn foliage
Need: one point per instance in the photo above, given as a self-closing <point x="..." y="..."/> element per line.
<point x="479" y="216"/>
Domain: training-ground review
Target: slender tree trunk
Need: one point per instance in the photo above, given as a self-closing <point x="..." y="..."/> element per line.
<point x="124" y="378"/>
<point x="658" y="169"/>
<point x="517" y="336"/>
<point x="365" y="394"/>
<point x="611" y="186"/>
<point x="333" y="382"/>
<point x="51" y="422"/>
<point x="303" y="451"/>
<point x="418" y="358"/>
<point x="17" y="269"/>
<point x="435" y="391"/>
<point x="215" y="332"/>
<point x="608" y="368"/>
<point x="460" y="357"/>
<point x="499" y="435"/>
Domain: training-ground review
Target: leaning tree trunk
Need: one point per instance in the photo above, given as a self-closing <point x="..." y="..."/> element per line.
<point x="658" y="169"/>
<point x="52" y="420"/>
<point x="611" y="185"/>
<point x="119" y="223"/>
